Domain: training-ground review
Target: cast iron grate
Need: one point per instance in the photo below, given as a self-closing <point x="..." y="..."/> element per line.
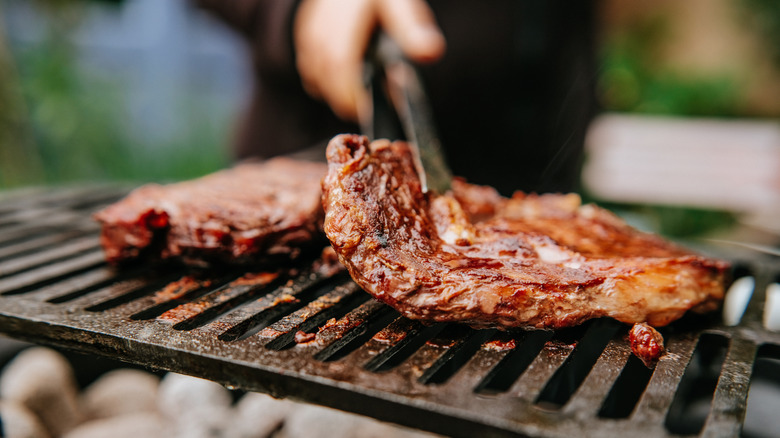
<point x="315" y="336"/>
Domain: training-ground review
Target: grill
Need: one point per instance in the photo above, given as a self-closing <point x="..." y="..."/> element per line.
<point x="298" y="332"/>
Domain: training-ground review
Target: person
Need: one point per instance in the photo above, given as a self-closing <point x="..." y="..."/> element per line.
<point x="511" y="82"/>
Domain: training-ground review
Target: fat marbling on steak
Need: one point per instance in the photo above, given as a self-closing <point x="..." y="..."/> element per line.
<point x="473" y="256"/>
<point x="245" y="214"/>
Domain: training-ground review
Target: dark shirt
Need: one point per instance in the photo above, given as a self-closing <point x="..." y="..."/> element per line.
<point x="511" y="97"/>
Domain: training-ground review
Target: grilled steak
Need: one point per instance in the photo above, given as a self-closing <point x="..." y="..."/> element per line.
<point x="240" y="215"/>
<point x="475" y="257"/>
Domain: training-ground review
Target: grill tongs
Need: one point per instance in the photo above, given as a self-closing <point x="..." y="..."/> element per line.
<point x="400" y="110"/>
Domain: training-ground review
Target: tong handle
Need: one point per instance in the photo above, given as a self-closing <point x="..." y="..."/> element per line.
<point x="400" y="110"/>
<point x="382" y="121"/>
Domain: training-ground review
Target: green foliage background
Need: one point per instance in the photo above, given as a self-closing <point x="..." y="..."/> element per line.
<point x="70" y="123"/>
<point x="631" y="80"/>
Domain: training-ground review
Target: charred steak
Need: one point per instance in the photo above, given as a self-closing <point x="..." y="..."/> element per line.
<point x="240" y="215"/>
<point x="475" y="257"/>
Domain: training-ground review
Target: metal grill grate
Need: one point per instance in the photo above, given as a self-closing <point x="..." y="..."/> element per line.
<point x="248" y="331"/>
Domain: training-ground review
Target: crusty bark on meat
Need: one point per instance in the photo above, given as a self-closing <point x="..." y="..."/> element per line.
<point x="475" y="257"/>
<point x="245" y="214"/>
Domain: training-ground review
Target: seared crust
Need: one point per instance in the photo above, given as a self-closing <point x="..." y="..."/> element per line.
<point x="473" y="256"/>
<point x="240" y="215"/>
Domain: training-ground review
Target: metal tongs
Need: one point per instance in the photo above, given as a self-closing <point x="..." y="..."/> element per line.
<point x="400" y="110"/>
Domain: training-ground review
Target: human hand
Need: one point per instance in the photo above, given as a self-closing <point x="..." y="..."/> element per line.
<point x="331" y="38"/>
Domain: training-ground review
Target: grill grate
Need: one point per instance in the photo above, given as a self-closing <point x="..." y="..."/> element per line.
<point x="316" y="337"/>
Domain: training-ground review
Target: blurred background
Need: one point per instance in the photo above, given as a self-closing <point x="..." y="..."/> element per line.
<point x="104" y="90"/>
<point x="689" y="137"/>
<point x="149" y="90"/>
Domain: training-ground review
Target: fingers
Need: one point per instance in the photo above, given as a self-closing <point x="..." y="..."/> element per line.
<point x="412" y="25"/>
<point x="331" y="37"/>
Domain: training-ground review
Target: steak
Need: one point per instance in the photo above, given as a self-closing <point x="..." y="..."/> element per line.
<point x="250" y="213"/>
<point x="473" y="256"/>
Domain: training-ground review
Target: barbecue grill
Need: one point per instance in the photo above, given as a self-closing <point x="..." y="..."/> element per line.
<point x="315" y="336"/>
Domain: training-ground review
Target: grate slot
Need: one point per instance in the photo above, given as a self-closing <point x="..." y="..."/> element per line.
<point x="179" y="292"/>
<point x="550" y="358"/>
<point x="254" y="316"/>
<point x="353" y="330"/>
<point x="341" y="299"/>
<point x="9" y="200"/>
<point x="87" y="199"/>
<point x="736" y="300"/>
<point x="625" y="392"/>
<point x="207" y="308"/>
<point x="51" y="256"/>
<point x="376" y="348"/>
<point x="403" y="345"/>
<point x="57" y="221"/>
<point x="754" y="311"/>
<point x="124" y="292"/>
<point x="693" y="399"/>
<point x="22" y="236"/>
<point x="93" y="202"/>
<point x="54" y="219"/>
<point x="655" y="401"/>
<point x="456" y="355"/>
<point x="505" y="373"/>
<point x="37" y="243"/>
<point x="49" y="274"/>
<point x="61" y="197"/>
<point x="26" y="208"/>
<point x="730" y="399"/>
<point x="71" y="288"/>
<point x="482" y="362"/>
<point x="85" y="284"/>
<point x="761" y="419"/>
<point x="771" y="317"/>
<point x="578" y="364"/>
<point x="586" y="400"/>
<point x="23" y="216"/>
<point x="738" y="294"/>
<point x="421" y="359"/>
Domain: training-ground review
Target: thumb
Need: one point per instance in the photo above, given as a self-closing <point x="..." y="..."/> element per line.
<point x="412" y="25"/>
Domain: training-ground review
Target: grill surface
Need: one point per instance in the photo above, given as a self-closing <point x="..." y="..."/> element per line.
<point x="56" y="289"/>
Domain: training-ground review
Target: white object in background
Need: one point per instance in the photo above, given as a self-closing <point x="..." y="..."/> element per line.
<point x="20" y="422"/>
<point x="708" y="163"/>
<point x="772" y="307"/>
<point x="737" y="298"/>
<point x="197" y="408"/>
<point x="120" y="392"/>
<point x="42" y="380"/>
